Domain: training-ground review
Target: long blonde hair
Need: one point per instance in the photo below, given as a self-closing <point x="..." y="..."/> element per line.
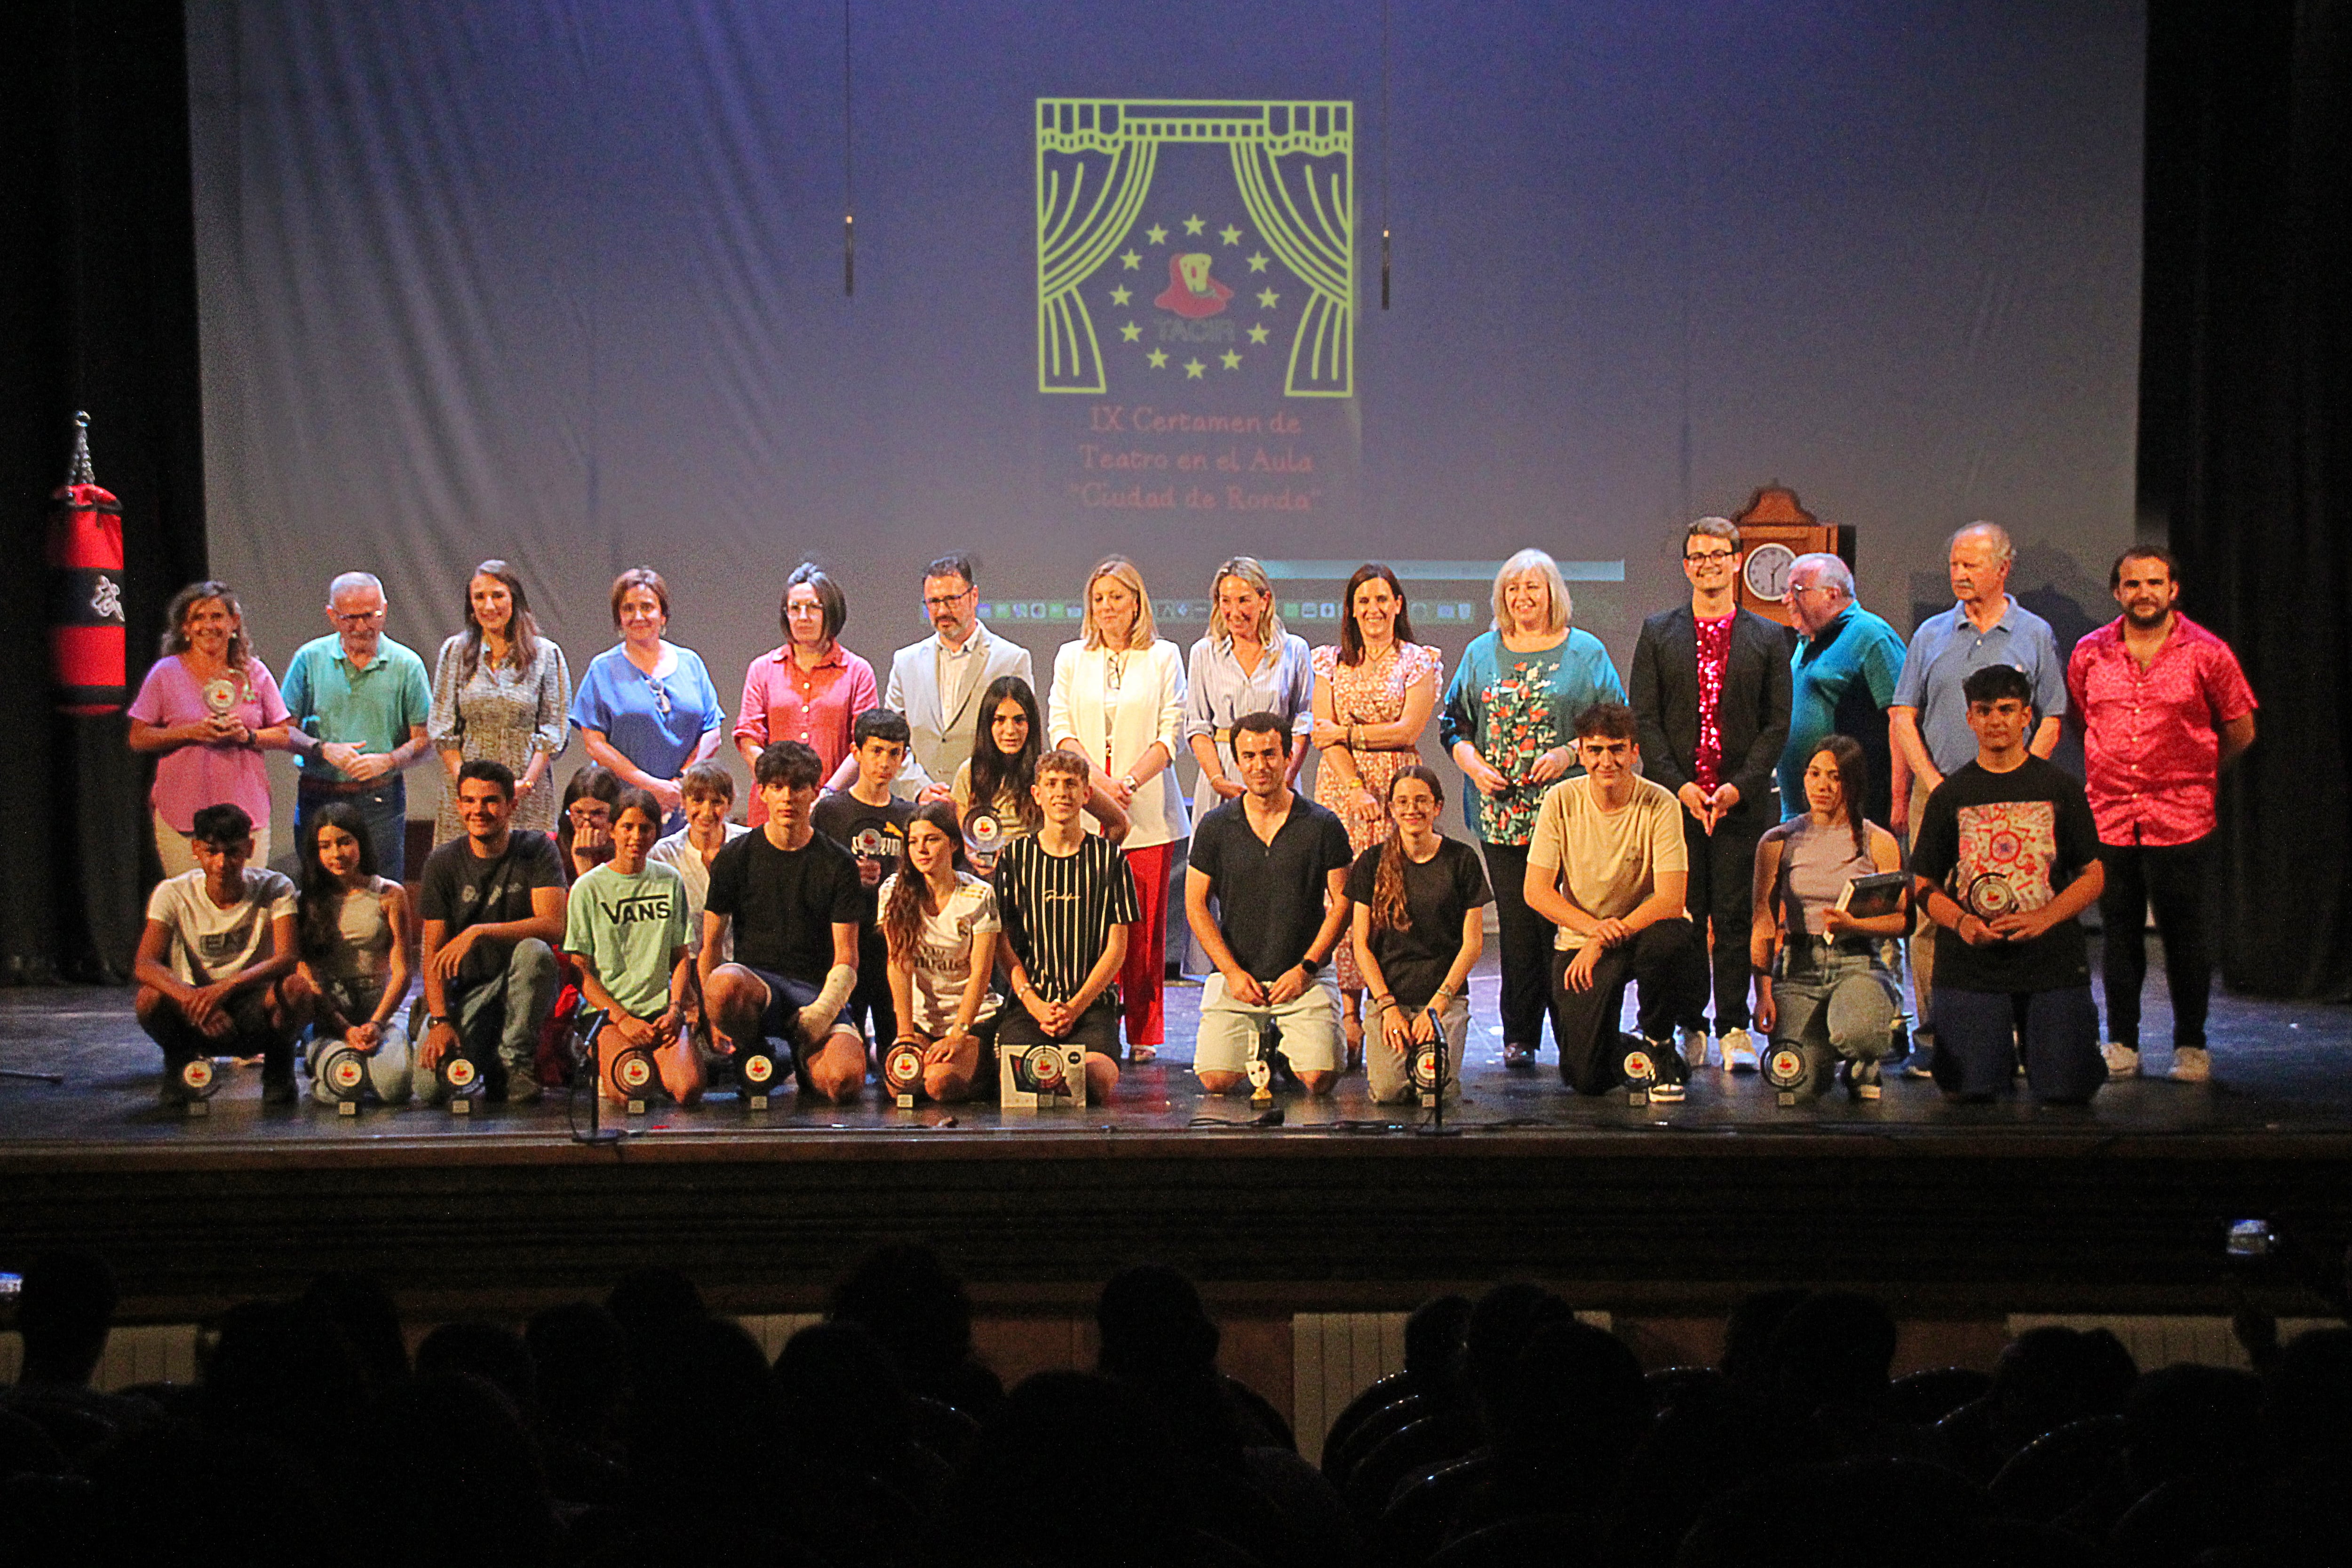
<point x="1146" y="631"/>
<point x="1252" y="571"/>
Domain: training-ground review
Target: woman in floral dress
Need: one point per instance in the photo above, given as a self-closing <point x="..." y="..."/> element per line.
<point x="1374" y="694"/>
<point x="1509" y="722"/>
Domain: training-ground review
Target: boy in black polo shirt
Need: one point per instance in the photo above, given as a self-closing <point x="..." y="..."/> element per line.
<point x="2006" y="857"/>
<point x="793" y="899"/>
<point x="1277" y="866"/>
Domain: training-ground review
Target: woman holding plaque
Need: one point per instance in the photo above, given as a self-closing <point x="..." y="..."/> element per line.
<point x="1509" y="722"/>
<point x="1821" y="981"/>
<point x="1419" y="900"/>
<point x="501" y="691"/>
<point x="205" y="713"/>
<point x="1374" y="694"/>
<point x="1118" y="701"/>
<point x="995" y="794"/>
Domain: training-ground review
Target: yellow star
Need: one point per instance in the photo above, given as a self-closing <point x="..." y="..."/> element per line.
<point x="1257" y="334"/>
<point x="1121" y="296"/>
<point x="1257" y="262"/>
<point x="1156" y="235"/>
<point x="1156" y="358"/>
<point x="1266" y="298"/>
<point x="1230" y="235"/>
<point x="1232" y="360"/>
<point x="1195" y="224"/>
<point x="1130" y="333"/>
<point x="1130" y="261"/>
<point x="1192" y="368"/>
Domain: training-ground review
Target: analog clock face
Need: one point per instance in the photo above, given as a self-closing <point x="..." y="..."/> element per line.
<point x="1767" y="572"/>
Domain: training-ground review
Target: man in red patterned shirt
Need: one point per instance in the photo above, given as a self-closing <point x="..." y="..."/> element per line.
<point x="2163" y="707"/>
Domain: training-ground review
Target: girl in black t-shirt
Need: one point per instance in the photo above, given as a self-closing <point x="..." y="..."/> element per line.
<point x="1417" y="935"/>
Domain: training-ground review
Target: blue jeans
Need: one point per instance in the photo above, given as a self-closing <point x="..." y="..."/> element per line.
<point x="503" y="1013"/>
<point x="1975" y="1035"/>
<point x="384" y="809"/>
<point x="1834" y="1004"/>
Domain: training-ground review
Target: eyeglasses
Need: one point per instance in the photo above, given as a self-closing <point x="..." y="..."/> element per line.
<point x="948" y="600"/>
<point x="355" y="617"/>
<point x="1706" y="556"/>
<point x="661" y="693"/>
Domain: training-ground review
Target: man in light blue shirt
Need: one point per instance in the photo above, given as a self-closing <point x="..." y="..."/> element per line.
<point x="365" y="699"/>
<point x="1928" y="721"/>
<point x="1842" y="677"/>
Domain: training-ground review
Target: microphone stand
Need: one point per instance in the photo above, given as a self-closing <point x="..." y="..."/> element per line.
<point x="590" y="1023"/>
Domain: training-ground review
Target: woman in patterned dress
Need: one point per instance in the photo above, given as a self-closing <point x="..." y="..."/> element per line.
<point x="1374" y="694"/>
<point x="501" y="691"/>
<point x="1510" y="722"/>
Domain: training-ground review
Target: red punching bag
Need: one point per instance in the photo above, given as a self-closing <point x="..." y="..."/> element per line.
<point x="86" y="625"/>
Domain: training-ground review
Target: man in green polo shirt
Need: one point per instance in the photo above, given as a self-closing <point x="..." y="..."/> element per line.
<point x="364" y="698"/>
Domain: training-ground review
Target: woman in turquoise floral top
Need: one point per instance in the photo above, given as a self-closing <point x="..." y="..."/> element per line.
<point x="1509" y="720"/>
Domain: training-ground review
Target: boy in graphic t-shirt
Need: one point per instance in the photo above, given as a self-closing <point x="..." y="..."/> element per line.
<point x="218" y="941"/>
<point x="870" y="821"/>
<point x="625" y="923"/>
<point x="2006" y="857"/>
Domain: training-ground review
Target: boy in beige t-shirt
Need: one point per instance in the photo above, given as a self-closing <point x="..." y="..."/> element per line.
<point x="1607" y="866"/>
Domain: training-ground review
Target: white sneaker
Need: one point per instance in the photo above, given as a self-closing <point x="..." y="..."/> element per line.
<point x="2122" y="1061"/>
<point x="2191" y="1064"/>
<point x="1692" y="1044"/>
<point x="1738" y="1051"/>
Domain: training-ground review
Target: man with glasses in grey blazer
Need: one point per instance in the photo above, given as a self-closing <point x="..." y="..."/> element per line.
<point x="937" y="683"/>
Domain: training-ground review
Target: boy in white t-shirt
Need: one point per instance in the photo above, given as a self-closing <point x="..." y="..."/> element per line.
<point x="218" y="941"/>
<point x="1607" y="864"/>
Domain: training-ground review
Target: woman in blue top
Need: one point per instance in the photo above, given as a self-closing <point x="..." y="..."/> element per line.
<point x="1247" y="664"/>
<point x="1510" y="722"/>
<point x="646" y="708"/>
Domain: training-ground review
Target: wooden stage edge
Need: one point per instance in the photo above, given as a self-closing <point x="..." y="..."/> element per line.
<point x="1949" y="1223"/>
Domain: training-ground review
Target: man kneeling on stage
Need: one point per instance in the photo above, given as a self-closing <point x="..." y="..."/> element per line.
<point x="1607" y="864"/>
<point x="2006" y="856"/>
<point x="218" y="941"/>
<point x="794" y="899"/>
<point x="1276" y="863"/>
<point x="493" y="906"/>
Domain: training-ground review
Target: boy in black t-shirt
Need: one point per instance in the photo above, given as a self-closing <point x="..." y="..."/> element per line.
<point x="794" y="899"/>
<point x="1067" y="899"/>
<point x="493" y="904"/>
<point x="870" y="821"/>
<point x="2006" y="857"/>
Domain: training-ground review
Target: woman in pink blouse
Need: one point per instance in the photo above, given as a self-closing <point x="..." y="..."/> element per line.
<point x="206" y="712"/>
<point x="812" y="689"/>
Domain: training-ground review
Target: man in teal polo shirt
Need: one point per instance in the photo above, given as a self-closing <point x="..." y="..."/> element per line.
<point x="1842" y="677"/>
<point x="365" y="699"/>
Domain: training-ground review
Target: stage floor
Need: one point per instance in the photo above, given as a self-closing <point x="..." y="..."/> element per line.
<point x="2278" y="1070"/>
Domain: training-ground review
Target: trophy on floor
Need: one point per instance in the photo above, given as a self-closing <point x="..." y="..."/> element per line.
<point x="1784" y="1069"/>
<point x="756" y="1071"/>
<point x="902" y="1070"/>
<point x="200" y="1081"/>
<point x="342" y="1069"/>
<point x="1639" y="1069"/>
<point x="461" y="1081"/>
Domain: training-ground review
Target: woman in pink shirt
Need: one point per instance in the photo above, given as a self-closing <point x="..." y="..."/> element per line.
<point x="810" y="688"/>
<point x="206" y="711"/>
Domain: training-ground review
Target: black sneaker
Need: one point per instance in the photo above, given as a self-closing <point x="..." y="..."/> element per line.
<point x="277" y="1090"/>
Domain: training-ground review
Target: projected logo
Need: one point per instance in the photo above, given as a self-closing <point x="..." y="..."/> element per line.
<point x="1195" y="243"/>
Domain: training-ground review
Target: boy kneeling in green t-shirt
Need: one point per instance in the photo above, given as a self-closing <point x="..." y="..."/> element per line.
<point x="627" y="924"/>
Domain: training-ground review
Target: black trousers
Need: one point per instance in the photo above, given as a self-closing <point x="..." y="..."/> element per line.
<point x="2172" y="879"/>
<point x="870" y="1005"/>
<point x="1525" y="938"/>
<point x="1585" y="1022"/>
<point x="1722" y="890"/>
<point x="182" y="1042"/>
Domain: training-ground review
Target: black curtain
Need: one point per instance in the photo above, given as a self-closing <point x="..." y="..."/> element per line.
<point x="98" y="311"/>
<point x="2245" y="440"/>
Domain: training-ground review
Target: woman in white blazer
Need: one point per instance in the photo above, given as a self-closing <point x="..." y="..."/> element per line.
<point x="1118" y="701"/>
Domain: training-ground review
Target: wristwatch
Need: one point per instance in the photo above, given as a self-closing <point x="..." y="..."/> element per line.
<point x="1312" y="967"/>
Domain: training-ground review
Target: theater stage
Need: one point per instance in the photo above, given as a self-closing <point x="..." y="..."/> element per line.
<point x="1344" y="1206"/>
